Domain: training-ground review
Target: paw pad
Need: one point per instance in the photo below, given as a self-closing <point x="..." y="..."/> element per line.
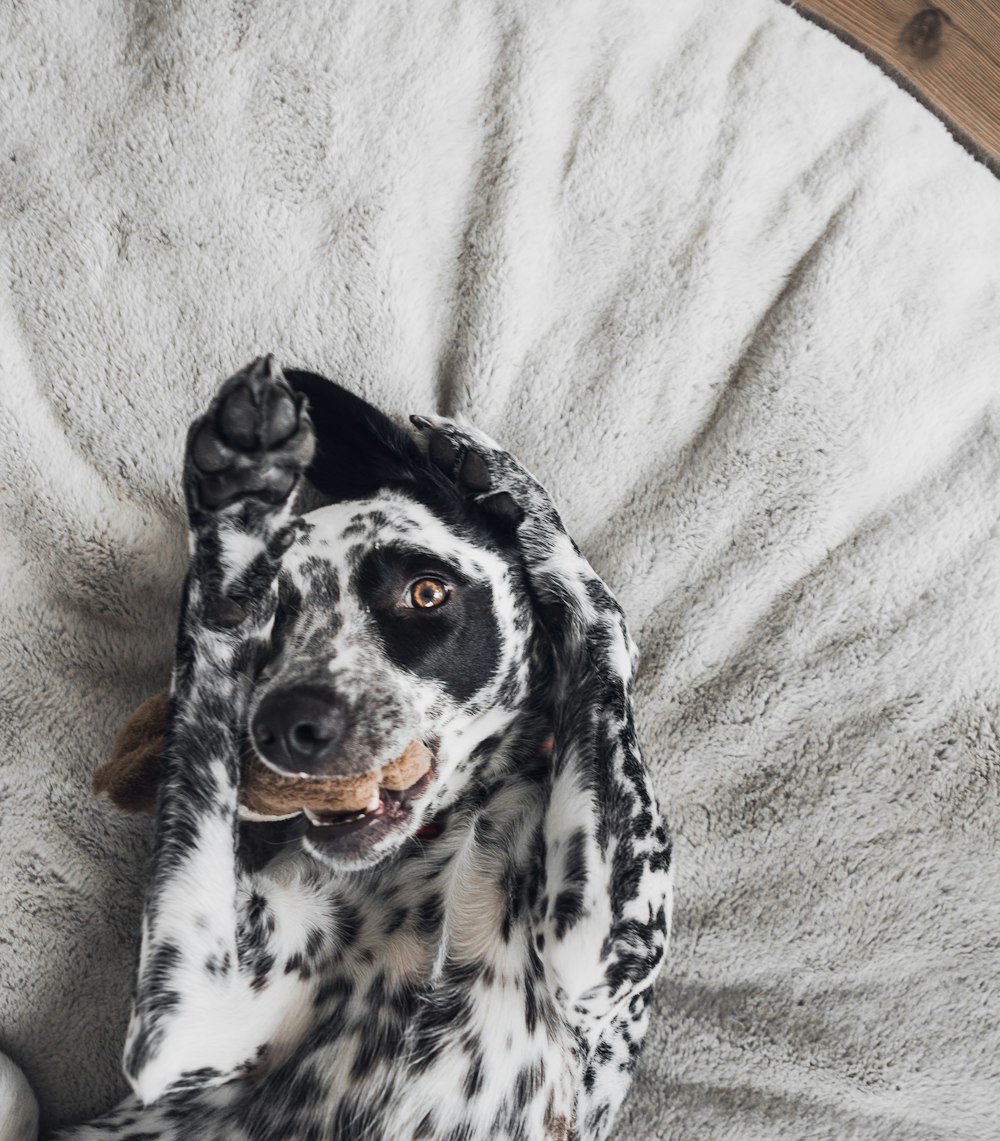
<point x="255" y="440"/>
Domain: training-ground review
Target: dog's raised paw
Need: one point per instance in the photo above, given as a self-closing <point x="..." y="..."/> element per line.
<point x="486" y="473"/>
<point x="255" y="440"/>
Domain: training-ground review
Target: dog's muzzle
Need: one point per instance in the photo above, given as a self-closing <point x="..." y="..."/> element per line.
<point x="300" y="731"/>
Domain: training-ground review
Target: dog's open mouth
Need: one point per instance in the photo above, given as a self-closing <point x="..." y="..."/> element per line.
<point x="344" y="816"/>
<point x="389" y="812"/>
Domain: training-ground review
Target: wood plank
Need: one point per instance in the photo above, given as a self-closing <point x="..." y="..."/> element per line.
<point x="949" y="56"/>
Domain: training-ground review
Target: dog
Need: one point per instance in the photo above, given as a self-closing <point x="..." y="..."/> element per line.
<point x="469" y="958"/>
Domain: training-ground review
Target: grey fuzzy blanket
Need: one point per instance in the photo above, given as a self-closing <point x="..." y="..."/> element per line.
<point x="734" y="298"/>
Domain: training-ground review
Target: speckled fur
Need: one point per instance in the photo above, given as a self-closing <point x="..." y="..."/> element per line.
<point x="492" y="983"/>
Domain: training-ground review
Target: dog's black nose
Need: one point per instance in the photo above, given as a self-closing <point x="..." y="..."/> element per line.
<point x="300" y="729"/>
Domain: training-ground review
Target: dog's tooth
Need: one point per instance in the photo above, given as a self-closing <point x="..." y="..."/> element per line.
<point x="373" y="801"/>
<point x="341" y="819"/>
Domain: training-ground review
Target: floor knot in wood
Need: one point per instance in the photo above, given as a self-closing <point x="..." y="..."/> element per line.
<point x="922" y="36"/>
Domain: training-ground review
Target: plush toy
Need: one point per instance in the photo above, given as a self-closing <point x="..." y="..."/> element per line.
<point x="130" y="777"/>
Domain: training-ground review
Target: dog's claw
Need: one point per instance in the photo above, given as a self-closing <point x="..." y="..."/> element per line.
<point x="255" y="440"/>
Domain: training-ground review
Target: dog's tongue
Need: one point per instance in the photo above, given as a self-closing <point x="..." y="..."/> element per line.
<point x="267" y="794"/>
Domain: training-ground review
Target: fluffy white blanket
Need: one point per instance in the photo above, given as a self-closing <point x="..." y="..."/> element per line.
<point x="730" y="293"/>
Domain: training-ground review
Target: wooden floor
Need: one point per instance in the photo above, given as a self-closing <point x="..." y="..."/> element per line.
<point x="948" y="56"/>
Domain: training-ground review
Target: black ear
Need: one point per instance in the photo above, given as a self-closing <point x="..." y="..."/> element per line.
<point x="358" y="449"/>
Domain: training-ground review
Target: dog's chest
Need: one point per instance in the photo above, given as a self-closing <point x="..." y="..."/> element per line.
<point x="430" y="1007"/>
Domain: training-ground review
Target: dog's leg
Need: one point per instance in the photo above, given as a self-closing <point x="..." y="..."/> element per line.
<point x="602" y="915"/>
<point x="205" y="998"/>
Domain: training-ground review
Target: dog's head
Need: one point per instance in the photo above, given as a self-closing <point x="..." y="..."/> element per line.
<point x="403" y="616"/>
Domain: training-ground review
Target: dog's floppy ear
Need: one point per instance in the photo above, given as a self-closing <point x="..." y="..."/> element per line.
<point x="358" y="449"/>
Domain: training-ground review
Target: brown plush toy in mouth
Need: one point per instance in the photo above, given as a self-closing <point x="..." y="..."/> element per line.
<point x="130" y="777"/>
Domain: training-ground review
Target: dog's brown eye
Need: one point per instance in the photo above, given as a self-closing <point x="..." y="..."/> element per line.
<point x="426" y="593"/>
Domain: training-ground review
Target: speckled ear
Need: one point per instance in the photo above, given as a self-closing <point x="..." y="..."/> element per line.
<point x="130" y="778"/>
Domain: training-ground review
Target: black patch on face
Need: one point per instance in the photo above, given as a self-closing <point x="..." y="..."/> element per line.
<point x="456" y="644"/>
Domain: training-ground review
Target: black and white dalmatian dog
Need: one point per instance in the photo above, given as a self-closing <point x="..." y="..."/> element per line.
<point x="472" y="958"/>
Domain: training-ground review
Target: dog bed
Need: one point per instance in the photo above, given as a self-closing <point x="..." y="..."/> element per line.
<point x="731" y="295"/>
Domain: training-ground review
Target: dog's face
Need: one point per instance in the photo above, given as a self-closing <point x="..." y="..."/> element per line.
<point x="403" y="616"/>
